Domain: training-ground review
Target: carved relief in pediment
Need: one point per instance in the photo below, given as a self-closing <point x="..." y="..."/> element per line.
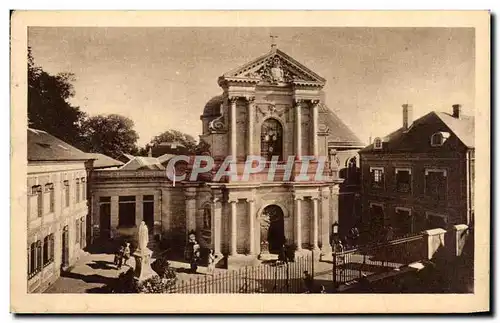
<point x="275" y="70"/>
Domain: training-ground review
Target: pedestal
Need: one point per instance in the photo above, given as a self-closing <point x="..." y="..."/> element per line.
<point x="143" y="268"/>
<point x="264" y="251"/>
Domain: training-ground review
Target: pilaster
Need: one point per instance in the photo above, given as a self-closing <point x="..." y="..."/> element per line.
<point x="190" y="194"/>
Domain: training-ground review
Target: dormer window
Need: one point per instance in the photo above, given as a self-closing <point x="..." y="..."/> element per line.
<point x="377" y="143"/>
<point x="438" y="139"/>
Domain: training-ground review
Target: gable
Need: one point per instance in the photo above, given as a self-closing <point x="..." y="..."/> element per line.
<point x="275" y="67"/>
<point x="417" y="139"/>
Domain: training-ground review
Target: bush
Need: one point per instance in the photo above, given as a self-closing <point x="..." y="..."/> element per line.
<point x="126" y="283"/>
<point x="156" y="285"/>
<point x="162" y="267"/>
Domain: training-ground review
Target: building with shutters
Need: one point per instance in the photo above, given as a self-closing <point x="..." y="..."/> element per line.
<point x="421" y="176"/>
<point x="57" y="208"/>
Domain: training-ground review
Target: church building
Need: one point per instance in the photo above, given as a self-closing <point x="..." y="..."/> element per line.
<point x="271" y="107"/>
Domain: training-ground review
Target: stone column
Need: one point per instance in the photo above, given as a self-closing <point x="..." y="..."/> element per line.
<point x="234" y="235"/>
<point x="216" y="225"/>
<point x="326" y="248"/>
<point x="334" y="204"/>
<point x="157" y="214"/>
<point x="232" y="115"/>
<point x="298" y="129"/>
<point x="315" y="223"/>
<point x="190" y="194"/>
<point x="250" y="129"/>
<point x="138" y="210"/>
<point x="251" y="224"/>
<point x="165" y="211"/>
<point x="298" y="222"/>
<point x="315" y="127"/>
<point x="96" y="216"/>
<point x="114" y="215"/>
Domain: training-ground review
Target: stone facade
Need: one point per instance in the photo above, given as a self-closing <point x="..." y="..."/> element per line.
<point x="237" y="217"/>
<point x="56" y="224"/>
<point x="414" y="203"/>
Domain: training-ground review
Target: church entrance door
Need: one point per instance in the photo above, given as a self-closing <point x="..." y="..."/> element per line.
<point x="273" y="229"/>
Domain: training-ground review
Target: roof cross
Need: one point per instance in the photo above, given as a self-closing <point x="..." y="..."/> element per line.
<point x="273" y="40"/>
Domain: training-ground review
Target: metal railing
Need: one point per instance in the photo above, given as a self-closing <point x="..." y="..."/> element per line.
<point x="353" y="264"/>
<point x="273" y="277"/>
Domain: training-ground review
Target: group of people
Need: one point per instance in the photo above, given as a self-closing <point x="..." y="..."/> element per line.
<point x="193" y="255"/>
<point x="122" y="255"/>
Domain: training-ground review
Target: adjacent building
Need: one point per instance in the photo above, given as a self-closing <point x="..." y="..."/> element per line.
<point x="57" y="207"/>
<point x="421" y="176"/>
<point x="271" y="106"/>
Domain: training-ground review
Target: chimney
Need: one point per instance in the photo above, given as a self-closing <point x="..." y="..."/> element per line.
<point x="457" y="111"/>
<point x="407" y="116"/>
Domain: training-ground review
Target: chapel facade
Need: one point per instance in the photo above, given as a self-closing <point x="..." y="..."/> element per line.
<point x="271" y="107"/>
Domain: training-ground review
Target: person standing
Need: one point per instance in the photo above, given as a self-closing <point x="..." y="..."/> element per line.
<point x="119" y="256"/>
<point x="126" y="253"/>
<point x="211" y="262"/>
<point x="308" y="282"/>
<point x="195" y="258"/>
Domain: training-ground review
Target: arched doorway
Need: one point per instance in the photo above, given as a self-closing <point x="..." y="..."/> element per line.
<point x="271" y="139"/>
<point x="272" y="234"/>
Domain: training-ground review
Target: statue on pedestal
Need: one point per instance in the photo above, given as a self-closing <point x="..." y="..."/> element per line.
<point x="143" y="236"/>
<point x="142" y="255"/>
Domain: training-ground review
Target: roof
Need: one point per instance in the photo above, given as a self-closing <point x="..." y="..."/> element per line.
<point x="339" y="133"/>
<point x="130" y="157"/>
<point x="212" y="108"/>
<point x="165" y="157"/>
<point x="103" y="161"/>
<point x="463" y="128"/>
<point x="411" y="139"/>
<point x="171" y="143"/>
<point x="140" y="162"/>
<point x="43" y="146"/>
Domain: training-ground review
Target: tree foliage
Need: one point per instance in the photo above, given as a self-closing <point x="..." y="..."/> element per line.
<point x="48" y="104"/>
<point x="173" y="135"/>
<point x="110" y="135"/>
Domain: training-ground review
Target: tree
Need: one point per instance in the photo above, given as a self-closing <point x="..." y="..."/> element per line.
<point x="48" y="106"/>
<point x="174" y="136"/>
<point x="111" y="135"/>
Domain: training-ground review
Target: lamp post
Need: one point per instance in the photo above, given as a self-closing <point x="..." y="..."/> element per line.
<point x="335" y="231"/>
<point x="335" y="238"/>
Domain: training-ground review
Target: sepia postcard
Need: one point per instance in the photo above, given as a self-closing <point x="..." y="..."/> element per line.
<point x="250" y="161"/>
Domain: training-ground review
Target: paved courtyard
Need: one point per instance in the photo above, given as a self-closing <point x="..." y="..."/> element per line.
<point x="95" y="270"/>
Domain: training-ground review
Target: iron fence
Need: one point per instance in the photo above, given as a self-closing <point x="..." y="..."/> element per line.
<point x="353" y="264"/>
<point x="271" y="277"/>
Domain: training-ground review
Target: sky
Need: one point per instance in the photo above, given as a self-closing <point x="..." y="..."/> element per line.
<point x="161" y="78"/>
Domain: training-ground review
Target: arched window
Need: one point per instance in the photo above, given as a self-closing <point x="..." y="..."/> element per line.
<point x="352" y="170"/>
<point x="271" y="139"/>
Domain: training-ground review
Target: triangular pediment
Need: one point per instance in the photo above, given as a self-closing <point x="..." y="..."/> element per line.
<point x="275" y="67"/>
